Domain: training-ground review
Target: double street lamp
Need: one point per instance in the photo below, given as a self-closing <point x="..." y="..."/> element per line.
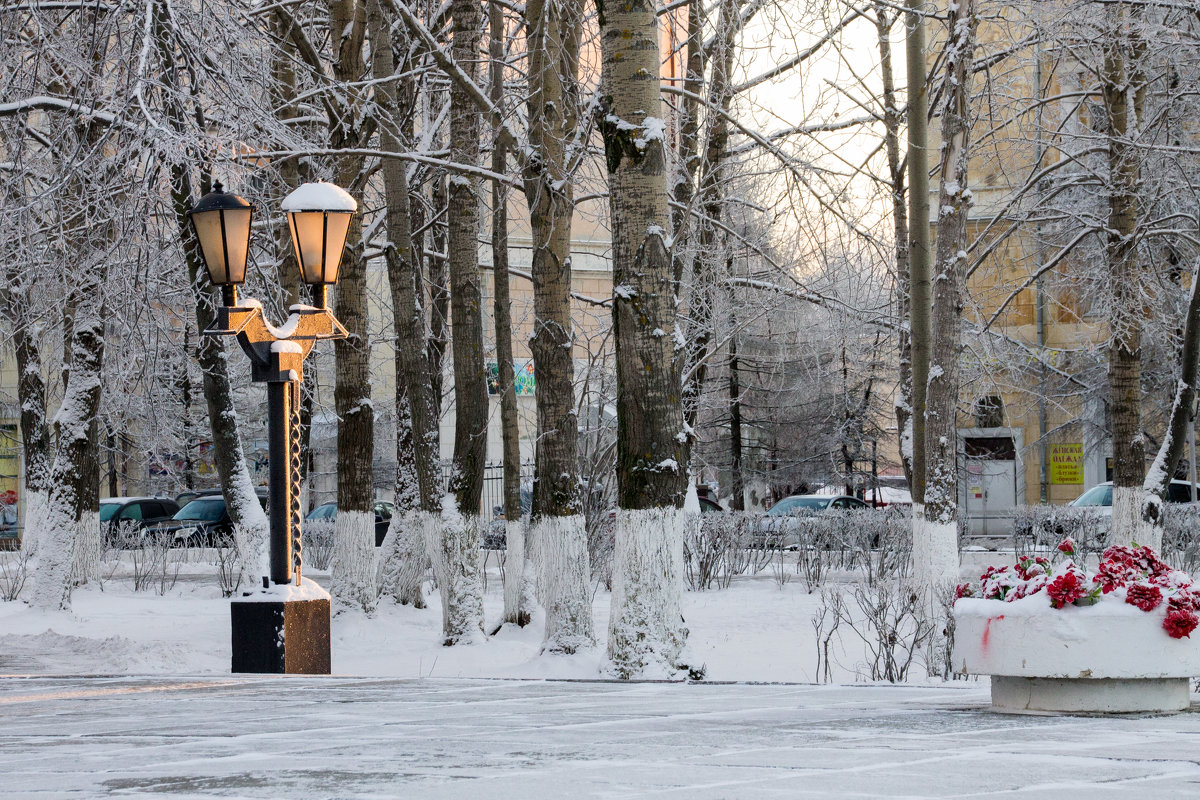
<point x="284" y="627"/>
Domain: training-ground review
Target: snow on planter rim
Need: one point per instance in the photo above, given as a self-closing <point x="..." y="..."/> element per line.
<point x="319" y="196"/>
<point x="1027" y="638"/>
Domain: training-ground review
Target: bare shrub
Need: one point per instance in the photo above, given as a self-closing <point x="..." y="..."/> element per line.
<point x="940" y="648"/>
<point x="1037" y="530"/>
<point x="825" y="624"/>
<point x="14" y="572"/>
<point x="1181" y="536"/>
<point x="317" y="537"/>
<point x="601" y="541"/>
<point x="719" y="548"/>
<point x="228" y="562"/>
<point x="779" y="567"/>
<point x="892" y="624"/>
<point x="155" y="563"/>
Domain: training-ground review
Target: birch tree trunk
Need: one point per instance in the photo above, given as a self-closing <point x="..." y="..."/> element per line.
<point x="1158" y="478"/>
<point x="514" y="524"/>
<point x="646" y="635"/>
<point x="891" y="134"/>
<point x="711" y="248"/>
<point x="456" y="561"/>
<point x="1123" y="90"/>
<point x="912" y="439"/>
<point x="72" y="514"/>
<point x="31" y="396"/>
<point x="559" y="528"/>
<point x="935" y="536"/>
<point x="404" y="560"/>
<point x="352" y="569"/>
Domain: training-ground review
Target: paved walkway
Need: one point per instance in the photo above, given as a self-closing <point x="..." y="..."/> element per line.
<point x="344" y="737"/>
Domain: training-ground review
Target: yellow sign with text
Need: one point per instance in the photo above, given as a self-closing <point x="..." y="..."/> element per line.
<point x="1066" y="464"/>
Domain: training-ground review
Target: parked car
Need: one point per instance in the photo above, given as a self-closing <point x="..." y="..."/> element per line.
<point x="383" y="517"/>
<point x="781" y="525"/>
<point x="203" y="522"/>
<point x="133" y="515"/>
<point x="183" y="498"/>
<point x="1099" y="497"/>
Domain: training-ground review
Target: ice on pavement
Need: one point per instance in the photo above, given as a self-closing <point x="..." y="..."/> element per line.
<point x="360" y="737"/>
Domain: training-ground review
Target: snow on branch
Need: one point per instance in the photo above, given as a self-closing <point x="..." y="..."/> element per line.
<point x="418" y="158"/>
<point x="49" y="103"/>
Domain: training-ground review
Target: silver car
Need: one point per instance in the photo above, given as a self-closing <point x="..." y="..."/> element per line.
<point x="781" y="525"/>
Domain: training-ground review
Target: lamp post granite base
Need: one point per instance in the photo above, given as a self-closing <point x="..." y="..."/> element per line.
<point x="282" y="630"/>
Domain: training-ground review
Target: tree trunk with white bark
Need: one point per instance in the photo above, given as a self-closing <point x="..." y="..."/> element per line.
<point x="935" y="533"/>
<point x="352" y="570"/>
<point x="646" y="634"/>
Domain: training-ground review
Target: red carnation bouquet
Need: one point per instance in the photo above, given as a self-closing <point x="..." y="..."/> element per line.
<point x="1135" y="575"/>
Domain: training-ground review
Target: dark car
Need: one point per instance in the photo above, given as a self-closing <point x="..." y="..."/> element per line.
<point x="203" y="522"/>
<point x="383" y="517"/>
<point x="133" y="515"/>
<point x="183" y="498"/>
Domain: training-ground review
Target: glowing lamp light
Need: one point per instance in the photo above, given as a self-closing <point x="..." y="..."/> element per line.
<point x="319" y="217"/>
<point x="222" y="224"/>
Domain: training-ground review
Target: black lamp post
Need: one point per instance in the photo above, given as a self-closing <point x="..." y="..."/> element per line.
<point x="284" y="627"/>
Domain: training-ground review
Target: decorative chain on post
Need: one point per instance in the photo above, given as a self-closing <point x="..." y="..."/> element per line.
<point x="294" y="518"/>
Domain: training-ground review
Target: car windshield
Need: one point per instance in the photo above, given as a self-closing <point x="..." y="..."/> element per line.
<point x="108" y="511"/>
<point x="207" y="509"/>
<point x="790" y="505"/>
<point x="1096" y="496"/>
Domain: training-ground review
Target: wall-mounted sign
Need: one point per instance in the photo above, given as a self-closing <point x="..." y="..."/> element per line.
<point x="523" y="379"/>
<point x="1066" y="464"/>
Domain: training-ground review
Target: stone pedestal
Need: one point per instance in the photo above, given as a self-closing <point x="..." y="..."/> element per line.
<point x="1110" y="657"/>
<point x="281" y="636"/>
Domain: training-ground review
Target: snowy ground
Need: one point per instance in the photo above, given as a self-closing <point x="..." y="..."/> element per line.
<point x="756" y="630"/>
<point x="130" y="694"/>
<point x="368" y="738"/>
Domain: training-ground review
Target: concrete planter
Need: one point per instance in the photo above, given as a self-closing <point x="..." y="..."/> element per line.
<point x="1108" y="657"/>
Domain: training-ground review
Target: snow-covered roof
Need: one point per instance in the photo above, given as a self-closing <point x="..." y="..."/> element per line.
<point x="319" y="196"/>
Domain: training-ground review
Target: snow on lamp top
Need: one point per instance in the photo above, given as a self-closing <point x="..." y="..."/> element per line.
<point x="319" y="196"/>
<point x="319" y="217"/>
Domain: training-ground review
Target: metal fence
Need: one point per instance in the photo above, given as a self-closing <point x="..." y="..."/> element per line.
<point x="493" y="483"/>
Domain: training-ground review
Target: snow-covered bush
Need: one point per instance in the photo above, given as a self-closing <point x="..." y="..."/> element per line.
<point x="1037" y="530"/>
<point x="601" y="528"/>
<point x="719" y="549"/>
<point x="892" y="623"/>
<point x="1181" y="536"/>
<point x="228" y="563"/>
<point x="14" y="572"/>
<point x="826" y="621"/>
<point x="155" y="563"/>
<point x="317" y="537"/>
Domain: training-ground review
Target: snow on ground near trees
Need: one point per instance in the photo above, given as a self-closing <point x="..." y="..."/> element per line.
<point x="753" y="631"/>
